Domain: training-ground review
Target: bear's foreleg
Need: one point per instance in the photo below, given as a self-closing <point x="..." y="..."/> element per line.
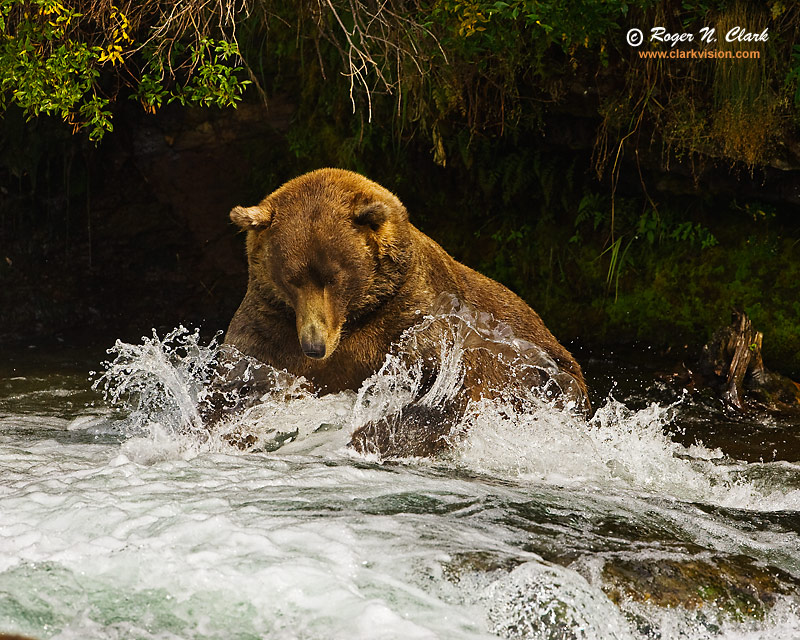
<point x="416" y="430"/>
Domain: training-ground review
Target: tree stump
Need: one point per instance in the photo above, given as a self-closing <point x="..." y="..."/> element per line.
<point x="733" y="364"/>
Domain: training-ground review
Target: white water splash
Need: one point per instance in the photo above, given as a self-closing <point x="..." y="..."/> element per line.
<point x="618" y="447"/>
<point x="160" y="381"/>
<point x="161" y="385"/>
<point x="177" y="534"/>
<point x="452" y="331"/>
<point x="518" y="435"/>
<point x="548" y="601"/>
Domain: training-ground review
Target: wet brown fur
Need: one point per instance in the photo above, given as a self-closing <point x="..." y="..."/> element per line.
<point x="332" y="255"/>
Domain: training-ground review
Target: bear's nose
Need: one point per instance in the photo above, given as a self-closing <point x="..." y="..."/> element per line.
<point x="313" y="348"/>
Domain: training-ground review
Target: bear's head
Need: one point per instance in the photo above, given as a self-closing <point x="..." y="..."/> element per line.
<point x="328" y="248"/>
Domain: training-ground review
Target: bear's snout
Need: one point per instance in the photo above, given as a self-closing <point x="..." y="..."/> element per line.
<point x="318" y="325"/>
<point x="313" y="344"/>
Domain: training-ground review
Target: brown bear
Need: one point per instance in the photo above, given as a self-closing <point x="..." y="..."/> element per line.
<point x="337" y="273"/>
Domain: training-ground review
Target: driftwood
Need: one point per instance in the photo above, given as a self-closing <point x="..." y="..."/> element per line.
<point x="732" y="364"/>
<point x="730" y="354"/>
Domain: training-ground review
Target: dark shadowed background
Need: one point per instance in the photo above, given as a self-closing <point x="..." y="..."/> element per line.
<point x="631" y="201"/>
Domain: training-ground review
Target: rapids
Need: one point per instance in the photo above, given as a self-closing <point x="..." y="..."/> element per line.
<point x="123" y="516"/>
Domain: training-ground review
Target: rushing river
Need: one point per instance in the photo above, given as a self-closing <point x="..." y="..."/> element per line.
<point x="121" y="518"/>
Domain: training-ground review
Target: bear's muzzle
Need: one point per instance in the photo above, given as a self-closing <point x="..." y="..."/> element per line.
<point x="313" y="343"/>
<point x="318" y="328"/>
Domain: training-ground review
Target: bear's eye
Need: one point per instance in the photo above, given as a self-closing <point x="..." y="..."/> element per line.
<point x="294" y="281"/>
<point x="372" y="216"/>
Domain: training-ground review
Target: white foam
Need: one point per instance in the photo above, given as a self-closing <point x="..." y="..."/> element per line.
<point x="217" y="543"/>
<point x="174" y="533"/>
<point x="300" y="545"/>
<point x="546" y="601"/>
<point x="619" y="448"/>
<point x="523" y="437"/>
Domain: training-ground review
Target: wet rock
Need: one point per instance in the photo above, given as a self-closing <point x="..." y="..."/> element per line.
<point x="735" y="585"/>
<point x="774" y="392"/>
<point x="483" y="562"/>
<point x="267" y="442"/>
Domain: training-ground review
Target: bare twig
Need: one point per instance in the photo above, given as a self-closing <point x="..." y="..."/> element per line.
<point x="381" y="51"/>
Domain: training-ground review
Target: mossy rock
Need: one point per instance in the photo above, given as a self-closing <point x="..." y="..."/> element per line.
<point x="735" y="585"/>
<point x="481" y="562"/>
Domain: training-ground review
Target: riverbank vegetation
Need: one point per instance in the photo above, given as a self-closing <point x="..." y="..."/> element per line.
<point x="626" y="198"/>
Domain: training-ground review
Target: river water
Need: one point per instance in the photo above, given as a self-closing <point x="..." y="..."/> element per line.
<point x="120" y="518"/>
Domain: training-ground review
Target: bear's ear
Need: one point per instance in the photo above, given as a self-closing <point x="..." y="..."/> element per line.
<point x="252" y="218"/>
<point x="372" y="215"/>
